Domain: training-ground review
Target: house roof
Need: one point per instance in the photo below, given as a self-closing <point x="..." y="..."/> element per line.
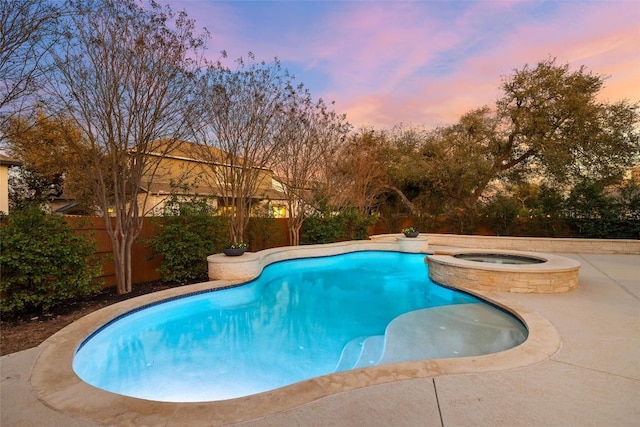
<point x="188" y="151"/>
<point x="193" y="152"/>
<point x="161" y="188"/>
<point x="8" y="161"/>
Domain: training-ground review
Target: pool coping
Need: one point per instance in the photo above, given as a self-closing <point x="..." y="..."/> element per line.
<point x="57" y="386"/>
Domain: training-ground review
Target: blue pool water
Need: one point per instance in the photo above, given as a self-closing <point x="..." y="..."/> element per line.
<point x="300" y="319"/>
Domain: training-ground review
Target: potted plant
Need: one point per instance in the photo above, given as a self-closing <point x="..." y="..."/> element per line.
<point x="410" y="232"/>
<point x="235" y="248"/>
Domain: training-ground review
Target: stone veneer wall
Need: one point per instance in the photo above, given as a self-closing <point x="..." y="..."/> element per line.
<point x="557" y="274"/>
<point x="250" y="265"/>
<point x="538" y="244"/>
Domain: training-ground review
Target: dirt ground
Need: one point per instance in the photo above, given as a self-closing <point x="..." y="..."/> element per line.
<point x="30" y="329"/>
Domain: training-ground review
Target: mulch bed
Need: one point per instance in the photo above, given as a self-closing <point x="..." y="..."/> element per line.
<point x="31" y="329"/>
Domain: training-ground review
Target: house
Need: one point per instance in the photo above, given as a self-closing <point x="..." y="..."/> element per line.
<point x="186" y="170"/>
<point x="190" y="169"/>
<point x="5" y="164"/>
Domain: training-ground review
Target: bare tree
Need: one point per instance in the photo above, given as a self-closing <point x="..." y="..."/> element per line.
<point x="244" y="112"/>
<point x="27" y="32"/>
<point x="310" y="137"/>
<point x="359" y="168"/>
<point x="125" y="76"/>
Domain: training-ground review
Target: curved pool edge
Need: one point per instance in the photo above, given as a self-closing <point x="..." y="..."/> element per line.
<point x="251" y="264"/>
<point x="55" y="383"/>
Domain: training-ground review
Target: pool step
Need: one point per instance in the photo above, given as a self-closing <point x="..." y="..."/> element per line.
<point x="372" y="349"/>
<point x="350" y="354"/>
<point x="361" y="352"/>
<point x="450" y="331"/>
<point x="433" y="333"/>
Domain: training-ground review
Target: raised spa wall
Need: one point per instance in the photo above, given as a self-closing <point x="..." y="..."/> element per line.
<point x="556" y="274"/>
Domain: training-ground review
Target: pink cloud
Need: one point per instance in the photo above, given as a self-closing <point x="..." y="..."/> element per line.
<point x="605" y="41"/>
<point x="429" y="62"/>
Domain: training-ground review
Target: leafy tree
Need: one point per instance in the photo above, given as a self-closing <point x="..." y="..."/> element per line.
<point x="527" y="194"/>
<point x="358" y="174"/>
<point x="44" y="262"/>
<point x="550" y="202"/>
<point x="405" y="166"/>
<point x="502" y="212"/>
<point x="50" y="164"/>
<point x="630" y="200"/>
<point x="549" y="123"/>
<point x="553" y="122"/>
<point x="28" y="186"/>
<point x="589" y="200"/>
<point x="125" y="77"/>
<point x="597" y="212"/>
<point x="459" y="159"/>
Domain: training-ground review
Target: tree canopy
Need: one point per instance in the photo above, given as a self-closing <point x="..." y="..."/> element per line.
<point x="28" y="30"/>
<point x="51" y="165"/>
<point x="549" y="124"/>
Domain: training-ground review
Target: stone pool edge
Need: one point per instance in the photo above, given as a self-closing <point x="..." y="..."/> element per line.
<point x="57" y="386"/>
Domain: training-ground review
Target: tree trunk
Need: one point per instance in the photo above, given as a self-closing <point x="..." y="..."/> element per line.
<point x="405" y="200"/>
<point x="119" y="265"/>
<point x="122" y="238"/>
<point x="293" y="237"/>
<point x="128" y="278"/>
<point x="294" y="224"/>
<point x="120" y="261"/>
<point x="294" y="234"/>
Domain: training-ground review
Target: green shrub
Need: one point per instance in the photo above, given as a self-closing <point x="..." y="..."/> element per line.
<point x="189" y="233"/>
<point x="355" y="224"/>
<point x="321" y="229"/>
<point x="597" y="214"/>
<point x="501" y="213"/>
<point x="348" y="224"/>
<point x="43" y="262"/>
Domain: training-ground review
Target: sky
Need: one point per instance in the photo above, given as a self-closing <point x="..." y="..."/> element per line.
<point x="386" y="63"/>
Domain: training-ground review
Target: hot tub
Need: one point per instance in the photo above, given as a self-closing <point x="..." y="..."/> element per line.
<point x="507" y="271"/>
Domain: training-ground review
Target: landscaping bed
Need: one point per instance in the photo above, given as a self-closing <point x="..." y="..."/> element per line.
<point x="31" y="329"/>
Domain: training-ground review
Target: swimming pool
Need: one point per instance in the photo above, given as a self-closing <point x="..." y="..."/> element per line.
<point x="300" y="319"/>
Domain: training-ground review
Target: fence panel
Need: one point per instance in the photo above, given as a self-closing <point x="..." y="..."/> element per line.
<point x="144" y="268"/>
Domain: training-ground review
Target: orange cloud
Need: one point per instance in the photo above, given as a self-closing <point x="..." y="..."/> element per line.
<point x="386" y="63"/>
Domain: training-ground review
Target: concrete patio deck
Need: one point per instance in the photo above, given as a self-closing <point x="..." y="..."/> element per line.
<point x="593" y="380"/>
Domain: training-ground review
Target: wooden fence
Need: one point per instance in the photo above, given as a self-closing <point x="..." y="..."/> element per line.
<point x="144" y="265"/>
